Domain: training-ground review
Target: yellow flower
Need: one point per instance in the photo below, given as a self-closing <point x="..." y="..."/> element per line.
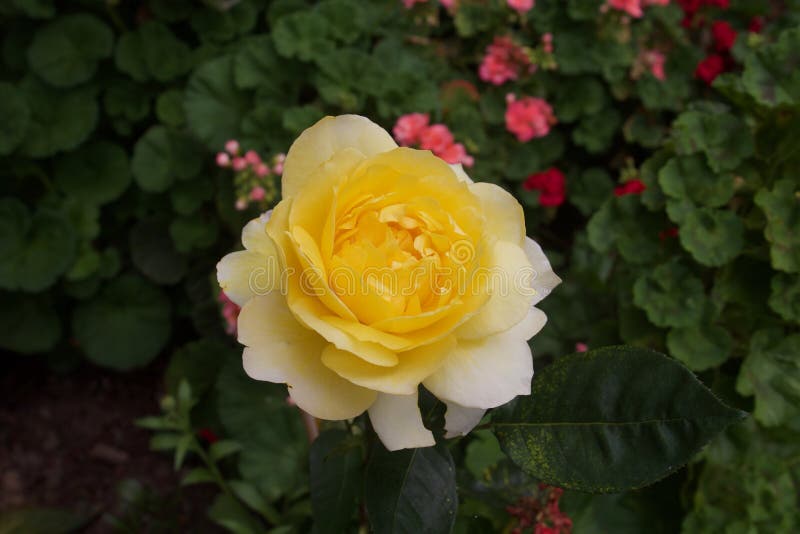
<point x="383" y="268"/>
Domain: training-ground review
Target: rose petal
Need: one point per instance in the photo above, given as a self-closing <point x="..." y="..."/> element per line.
<point x="397" y="421"/>
<point x="459" y="420"/>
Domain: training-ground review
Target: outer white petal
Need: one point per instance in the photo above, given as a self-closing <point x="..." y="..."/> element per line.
<point x="489" y="372"/>
<point x="545" y="280"/>
<point x="459" y="420"/>
<point x="397" y="421"/>
<point x="320" y="142"/>
<point x="254" y="235"/>
<point x="243" y="275"/>
<point x="461" y="173"/>
<point x="280" y="349"/>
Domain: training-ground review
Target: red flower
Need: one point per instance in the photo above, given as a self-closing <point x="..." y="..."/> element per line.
<point x="632" y="187"/>
<point x="208" y="435"/>
<point x="724" y="35"/>
<point x="722" y="4"/>
<point x="550" y="184"/>
<point x="711" y="67"/>
<point x="669" y="232"/>
<point x="756" y="24"/>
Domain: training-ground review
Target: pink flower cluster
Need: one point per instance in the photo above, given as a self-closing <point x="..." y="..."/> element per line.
<point x="650" y="60"/>
<point x="521" y="6"/>
<point x="414" y="128"/>
<point x="541" y="512"/>
<point x="634" y="8"/>
<point x="529" y="117"/>
<point x="504" y="60"/>
<point x="230" y="312"/>
<point x="253" y="179"/>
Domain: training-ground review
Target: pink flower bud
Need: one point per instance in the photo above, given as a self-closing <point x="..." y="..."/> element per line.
<point x="239" y="164"/>
<point x="232" y="147"/>
<point x="223" y="159"/>
<point x="257" y="193"/>
<point x="252" y="157"/>
<point x="261" y="170"/>
<point x="581" y="347"/>
<point x="241" y="204"/>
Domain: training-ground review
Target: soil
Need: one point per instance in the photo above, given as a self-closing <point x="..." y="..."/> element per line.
<point x="67" y="440"/>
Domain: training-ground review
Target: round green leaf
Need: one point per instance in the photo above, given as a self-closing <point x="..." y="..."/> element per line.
<point x="714" y="237"/>
<point x="16" y="117"/>
<point x="689" y="178"/>
<point x="303" y="35"/>
<point x="610" y="420"/>
<point x="152" y="160"/>
<point x="154" y="253"/>
<point x="785" y="297"/>
<point x="30" y="323"/>
<point x="40" y="248"/>
<point x="60" y="120"/>
<point x="126" y="326"/>
<point x="670" y="295"/>
<point x="65" y="52"/>
<point x="700" y="347"/>
<point x="781" y="205"/>
<point x="169" y="108"/>
<point x="214" y="105"/>
<point x="96" y="173"/>
<point x="411" y="490"/>
<point x="152" y="51"/>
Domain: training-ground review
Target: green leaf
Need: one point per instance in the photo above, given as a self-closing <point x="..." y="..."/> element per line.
<point x="689" y="178"/>
<point x="193" y="232"/>
<point x="164" y="441"/>
<point x="38" y="9"/>
<point x="16" y="118"/>
<point x="275" y="454"/>
<point x="700" y="347"/>
<point x="36" y="250"/>
<point x="30" y="323"/>
<point x="60" y="120"/>
<point x="714" y="237"/>
<point x="215" y="26"/>
<point x="231" y="515"/>
<point x="198" y="475"/>
<point x="197" y="362"/>
<point x="724" y="138"/>
<point x="411" y="490"/>
<point x="126" y="101"/>
<point x="671" y="296"/>
<point x="250" y="495"/>
<point x="346" y="19"/>
<point x="41" y="521"/>
<point x="770" y="73"/>
<point x="169" y="108"/>
<point x="303" y="35"/>
<point x="214" y="105"/>
<point x="483" y="453"/>
<point x="785" y="296"/>
<point x="610" y="420"/>
<point x="181" y="450"/>
<point x="65" y="52"/>
<point x="96" y="173"/>
<point x="336" y="473"/>
<point x="781" y="205"/>
<point x="297" y="119"/>
<point x="160" y="156"/>
<point x="152" y="52"/>
<point x="222" y="449"/>
<point x="126" y="326"/>
<point x="596" y="132"/>
<point x="154" y="253"/>
<point x="771" y="372"/>
<point x="624" y="223"/>
<point x="589" y="190"/>
<point x="579" y="97"/>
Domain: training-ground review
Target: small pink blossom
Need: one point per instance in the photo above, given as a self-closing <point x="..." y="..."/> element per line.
<point x="448" y="4"/>
<point x="252" y="157"/>
<point x="241" y="204"/>
<point x="223" y="159"/>
<point x="547" y="43"/>
<point x="504" y="60"/>
<point x="408" y="128"/>
<point x="239" y="164"/>
<point x="581" y="347"/>
<point x="410" y="3"/>
<point x="277" y="164"/>
<point x="232" y="147"/>
<point x="436" y="138"/>
<point x="257" y="193"/>
<point x="230" y="312"/>
<point x="521" y="6"/>
<point x="528" y="117"/>
<point x="456" y="153"/>
<point x="261" y="170"/>
<point x="651" y="60"/>
<point x="631" y="7"/>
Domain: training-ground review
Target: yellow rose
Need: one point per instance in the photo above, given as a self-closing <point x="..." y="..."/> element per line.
<point x="383" y="268"/>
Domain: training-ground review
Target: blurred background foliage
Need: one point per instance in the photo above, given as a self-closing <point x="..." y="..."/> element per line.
<point x="113" y="215"/>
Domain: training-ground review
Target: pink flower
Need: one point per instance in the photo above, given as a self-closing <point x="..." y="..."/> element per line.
<point x="528" y="117"/>
<point x="257" y="193"/>
<point x="252" y="157"/>
<point x="654" y="61"/>
<point x="239" y="164"/>
<point x="277" y="164"/>
<point x="631" y="7"/>
<point x="504" y="60"/>
<point x="241" y="204"/>
<point x="551" y="185"/>
<point x="230" y="312"/>
<point x="261" y="170"/>
<point x="408" y="128"/>
<point x="456" y="153"/>
<point x="581" y="347"/>
<point x="547" y="43"/>
<point x="631" y="187"/>
<point x="521" y="6"/>
<point x="436" y="138"/>
<point x="232" y="147"/>
<point x="448" y="4"/>
<point x="223" y="159"/>
<point x="410" y="3"/>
